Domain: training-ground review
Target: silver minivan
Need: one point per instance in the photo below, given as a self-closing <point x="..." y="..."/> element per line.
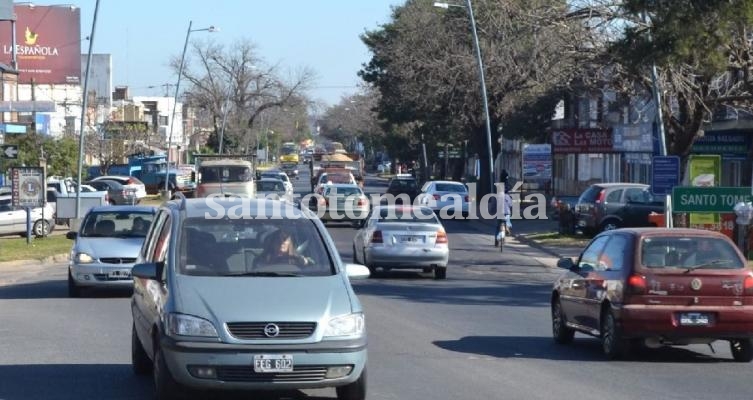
<point x="237" y="293"/>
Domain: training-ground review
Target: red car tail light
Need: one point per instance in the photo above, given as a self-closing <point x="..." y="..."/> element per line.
<point x="466" y="198"/>
<point x="748" y="285"/>
<point x="636" y="284"/>
<point x="437" y="197"/>
<point x="323" y="201"/>
<point x="361" y="202"/>
<point x="602" y="196"/>
<point x="441" y="237"/>
<point x="376" y="237"/>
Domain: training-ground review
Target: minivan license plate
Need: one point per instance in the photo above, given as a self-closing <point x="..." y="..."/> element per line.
<point x="694" y="319"/>
<point x="273" y="363"/>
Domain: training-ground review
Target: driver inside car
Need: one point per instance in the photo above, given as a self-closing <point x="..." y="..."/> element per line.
<point x="280" y="249"/>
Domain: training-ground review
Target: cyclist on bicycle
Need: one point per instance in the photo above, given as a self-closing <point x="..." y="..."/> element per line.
<point x="503" y="216"/>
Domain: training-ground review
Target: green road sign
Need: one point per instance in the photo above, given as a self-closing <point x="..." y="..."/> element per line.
<point x="708" y="199"/>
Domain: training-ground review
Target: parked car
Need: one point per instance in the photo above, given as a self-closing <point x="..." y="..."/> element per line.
<point x="404" y="184"/>
<point x="341" y="202"/>
<point x="607" y="206"/>
<point x="13" y="219"/>
<point x="118" y="194"/>
<point x="403" y="237"/>
<point x="130" y="182"/>
<point x="106" y="246"/>
<point x="656" y="287"/>
<point x="197" y="280"/>
<point x="450" y="196"/>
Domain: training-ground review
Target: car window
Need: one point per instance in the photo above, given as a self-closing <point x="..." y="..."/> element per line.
<point x="425" y="187"/>
<point x="117" y="224"/>
<point x="237" y="247"/>
<point x="590" y="195"/>
<point x="614" y="196"/>
<point x="450" y="187"/>
<point x="268" y="186"/>
<point x="163" y="240"/>
<point x="148" y="248"/>
<point x="685" y="252"/>
<point x="5" y="205"/>
<point x="403" y="184"/>
<point x="635" y="195"/>
<point x="408" y="215"/>
<point x="613" y="256"/>
<point x="342" y="191"/>
<point x="589" y="260"/>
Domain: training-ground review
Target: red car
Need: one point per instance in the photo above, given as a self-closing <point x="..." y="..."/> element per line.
<point x="656" y="287"/>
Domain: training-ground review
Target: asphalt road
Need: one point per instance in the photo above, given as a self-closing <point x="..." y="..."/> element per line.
<point x="484" y="333"/>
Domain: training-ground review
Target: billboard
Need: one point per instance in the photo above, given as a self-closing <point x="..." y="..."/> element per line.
<point x="48" y="44"/>
<point x="537" y="162"/>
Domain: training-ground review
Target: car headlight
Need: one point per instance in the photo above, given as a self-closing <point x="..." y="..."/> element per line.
<point x="187" y="325"/>
<point x="83" y="258"/>
<point x="346" y="325"/>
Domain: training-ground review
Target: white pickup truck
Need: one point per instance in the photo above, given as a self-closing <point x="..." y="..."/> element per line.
<point x="61" y="193"/>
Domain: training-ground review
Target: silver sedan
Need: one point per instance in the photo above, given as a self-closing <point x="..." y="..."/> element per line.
<point x="403" y="237"/>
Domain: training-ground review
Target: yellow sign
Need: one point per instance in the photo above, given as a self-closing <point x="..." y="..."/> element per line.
<point x="704" y="171"/>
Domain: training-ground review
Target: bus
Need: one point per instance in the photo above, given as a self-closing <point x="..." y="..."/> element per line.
<point x="289" y="153"/>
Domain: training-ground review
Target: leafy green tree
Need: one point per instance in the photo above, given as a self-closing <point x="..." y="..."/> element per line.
<point x="424" y="66"/>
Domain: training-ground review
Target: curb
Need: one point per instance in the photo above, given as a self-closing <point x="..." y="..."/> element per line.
<point x="528" y="242"/>
<point x="57" y="258"/>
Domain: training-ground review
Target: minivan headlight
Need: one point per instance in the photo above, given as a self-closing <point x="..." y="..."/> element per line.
<point x="346" y="325"/>
<point x="83" y="258"/>
<point x="187" y="325"/>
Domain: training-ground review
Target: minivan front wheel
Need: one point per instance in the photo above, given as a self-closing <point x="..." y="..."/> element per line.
<point x="140" y="361"/>
<point x="165" y="386"/>
<point x="610" y="225"/>
<point x="355" y="390"/>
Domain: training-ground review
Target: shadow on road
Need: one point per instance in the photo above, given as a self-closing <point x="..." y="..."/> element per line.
<point x="582" y="349"/>
<point x="100" y="381"/>
<point x="54" y="289"/>
<point x="499" y="294"/>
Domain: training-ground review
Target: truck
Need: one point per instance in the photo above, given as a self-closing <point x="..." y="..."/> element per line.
<point x="153" y="171"/>
<point x="224" y="174"/>
<point x="61" y="194"/>
<point x="351" y="162"/>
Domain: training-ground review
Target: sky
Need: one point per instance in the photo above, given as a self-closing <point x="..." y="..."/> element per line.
<point x="143" y="35"/>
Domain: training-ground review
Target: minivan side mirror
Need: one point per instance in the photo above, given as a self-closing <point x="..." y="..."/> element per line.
<point x="566" y="263"/>
<point x="145" y="271"/>
<point x="357" y="271"/>
<point x="71" y="235"/>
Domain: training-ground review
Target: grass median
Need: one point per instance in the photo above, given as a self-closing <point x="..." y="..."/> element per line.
<point x="556" y="239"/>
<point x="16" y="248"/>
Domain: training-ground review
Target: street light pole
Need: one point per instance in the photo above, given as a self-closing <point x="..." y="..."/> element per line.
<point x="482" y="80"/>
<point x="81" y="139"/>
<point x="175" y="100"/>
<point x="224" y="121"/>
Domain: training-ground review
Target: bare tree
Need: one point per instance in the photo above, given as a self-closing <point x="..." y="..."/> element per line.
<point x="237" y="77"/>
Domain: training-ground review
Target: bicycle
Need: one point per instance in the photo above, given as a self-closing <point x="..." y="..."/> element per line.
<point x="503" y="230"/>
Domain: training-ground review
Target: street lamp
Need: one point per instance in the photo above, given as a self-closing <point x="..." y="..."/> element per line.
<point x="482" y="80"/>
<point x="175" y="100"/>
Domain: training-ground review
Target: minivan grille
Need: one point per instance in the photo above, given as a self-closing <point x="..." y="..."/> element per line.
<point x="287" y="330"/>
<point x="307" y="373"/>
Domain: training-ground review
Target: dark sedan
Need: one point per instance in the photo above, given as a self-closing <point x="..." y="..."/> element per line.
<point x="656" y="287"/>
<point x="119" y="194"/>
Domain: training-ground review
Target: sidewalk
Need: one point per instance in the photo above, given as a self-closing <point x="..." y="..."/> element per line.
<point x="526" y="232"/>
<point x="11" y="271"/>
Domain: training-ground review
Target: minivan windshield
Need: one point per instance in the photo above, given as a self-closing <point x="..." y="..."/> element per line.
<point x="225" y="174"/>
<point x="689" y="253"/>
<point x="270" y="247"/>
